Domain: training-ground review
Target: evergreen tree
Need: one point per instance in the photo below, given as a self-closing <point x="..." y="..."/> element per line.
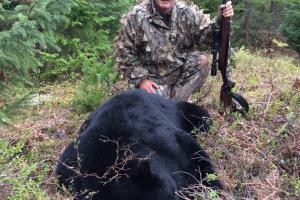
<point x="29" y="32"/>
<point x="87" y="44"/>
<point x="291" y="25"/>
<point x="255" y="23"/>
<point x="26" y="30"/>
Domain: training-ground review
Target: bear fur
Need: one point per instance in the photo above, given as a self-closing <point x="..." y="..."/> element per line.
<point x="137" y="146"/>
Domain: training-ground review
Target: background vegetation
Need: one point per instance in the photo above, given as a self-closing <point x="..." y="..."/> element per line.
<point x="56" y="67"/>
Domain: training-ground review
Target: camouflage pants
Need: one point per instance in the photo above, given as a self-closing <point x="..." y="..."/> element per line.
<point x="190" y="80"/>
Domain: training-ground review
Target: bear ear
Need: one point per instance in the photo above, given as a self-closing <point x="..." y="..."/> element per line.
<point x="144" y="169"/>
<point x="194" y="116"/>
<point x="146" y="176"/>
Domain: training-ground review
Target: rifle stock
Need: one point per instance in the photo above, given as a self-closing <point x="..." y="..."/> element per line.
<point x="221" y="48"/>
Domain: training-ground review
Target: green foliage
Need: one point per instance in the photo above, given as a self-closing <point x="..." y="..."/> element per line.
<point x="13" y="100"/>
<point x="265" y="18"/>
<point x="291" y="25"/>
<point x="86" y="44"/>
<point x="93" y="88"/>
<point x="54" y="67"/>
<point x="14" y="108"/>
<point x="209" y="6"/>
<point x="30" y="26"/>
<point x="25" y="31"/>
<point x="92" y="27"/>
<point x="22" y="171"/>
<point x="296" y="184"/>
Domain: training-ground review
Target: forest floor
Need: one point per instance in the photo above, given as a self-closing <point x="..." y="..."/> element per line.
<point x="257" y="156"/>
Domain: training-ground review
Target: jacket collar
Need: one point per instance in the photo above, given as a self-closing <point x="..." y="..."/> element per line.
<point x="155" y="17"/>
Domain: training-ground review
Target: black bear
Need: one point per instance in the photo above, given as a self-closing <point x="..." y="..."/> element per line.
<point x="137" y="146"/>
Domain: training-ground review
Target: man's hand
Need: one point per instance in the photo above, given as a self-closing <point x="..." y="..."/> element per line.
<point x="149" y="86"/>
<point x="226" y="9"/>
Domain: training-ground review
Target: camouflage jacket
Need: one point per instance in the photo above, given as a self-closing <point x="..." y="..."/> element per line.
<point x="148" y="48"/>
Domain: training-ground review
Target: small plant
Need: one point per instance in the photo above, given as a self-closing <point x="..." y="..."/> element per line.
<point x="295" y="182"/>
<point x="211" y="177"/>
<point x="94" y="88"/>
<point x="23" y="171"/>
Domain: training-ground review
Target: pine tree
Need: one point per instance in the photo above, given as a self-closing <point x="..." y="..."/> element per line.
<point x="26" y="29"/>
<point x="30" y="31"/>
<point x="291" y="25"/>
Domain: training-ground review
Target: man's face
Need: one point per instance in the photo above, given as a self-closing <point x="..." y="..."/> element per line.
<point x="164" y="6"/>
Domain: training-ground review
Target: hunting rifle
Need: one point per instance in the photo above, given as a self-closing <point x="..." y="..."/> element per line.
<point x="221" y="48"/>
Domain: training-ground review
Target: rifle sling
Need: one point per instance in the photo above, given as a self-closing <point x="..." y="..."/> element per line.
<point x="240" y="100"/>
